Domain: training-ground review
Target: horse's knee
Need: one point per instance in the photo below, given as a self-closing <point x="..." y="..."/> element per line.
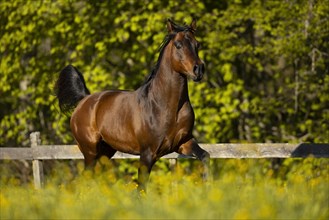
<point x="191" y="148"/>
<point x="147" y="160"/>
<point x="205" y="157"/>
<point x="186" y="148"/>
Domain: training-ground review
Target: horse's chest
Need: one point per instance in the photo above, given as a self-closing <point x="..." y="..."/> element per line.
<point x="185" y="119"/>
<point x="182" y="127"/>
<point x="167" y="130"/>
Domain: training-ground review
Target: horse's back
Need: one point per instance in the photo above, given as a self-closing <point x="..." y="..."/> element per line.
<point x="93" y="108"/>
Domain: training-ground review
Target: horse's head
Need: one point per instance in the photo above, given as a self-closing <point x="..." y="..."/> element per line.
<point x="184" y="52"/>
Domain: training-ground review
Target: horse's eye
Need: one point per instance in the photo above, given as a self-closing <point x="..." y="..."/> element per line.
<point x="178" y="44"/>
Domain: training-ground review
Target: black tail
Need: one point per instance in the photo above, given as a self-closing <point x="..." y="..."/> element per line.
<point x="70" y="88"/>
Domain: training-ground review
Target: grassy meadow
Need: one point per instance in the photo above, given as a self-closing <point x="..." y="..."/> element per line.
<point x="239" y="189"/>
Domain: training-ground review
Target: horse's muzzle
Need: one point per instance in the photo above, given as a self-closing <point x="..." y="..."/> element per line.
<point x="198" y="71"/>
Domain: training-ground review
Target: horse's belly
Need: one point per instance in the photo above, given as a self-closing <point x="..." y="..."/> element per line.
<point x="122" y="143"/>
<point x="115" y="122"/>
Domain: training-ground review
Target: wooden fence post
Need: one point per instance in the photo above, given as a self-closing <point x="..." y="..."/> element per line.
<point x="37" y="166"/>
<point x="172" y="164"/>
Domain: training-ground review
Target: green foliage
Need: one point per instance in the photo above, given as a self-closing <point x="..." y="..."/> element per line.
<point x="243" y="189"/>
<point x="267" y="80"/>
<point x="267" y="63"/>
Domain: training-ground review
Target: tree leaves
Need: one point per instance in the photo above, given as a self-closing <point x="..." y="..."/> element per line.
<point x="266" y="63"/>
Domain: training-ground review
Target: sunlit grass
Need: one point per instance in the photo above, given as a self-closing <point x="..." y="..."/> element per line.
<point x="241" y="189"/>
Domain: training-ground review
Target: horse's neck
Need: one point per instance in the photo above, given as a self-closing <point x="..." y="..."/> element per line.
<point x="169" y="87"/>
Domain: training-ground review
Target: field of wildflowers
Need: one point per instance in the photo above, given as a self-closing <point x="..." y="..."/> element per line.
<point x="239" y="189"/>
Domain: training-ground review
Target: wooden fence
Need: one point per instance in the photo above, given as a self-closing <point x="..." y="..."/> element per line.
<point x="37" y="153"/>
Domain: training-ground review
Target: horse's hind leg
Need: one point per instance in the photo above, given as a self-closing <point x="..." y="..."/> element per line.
<point x="191" y="148"/>
<point x="87" y="143"/>
<point x="91" y="145"/>
<point x="89" y="153"/>
<point x="93" y="151"/>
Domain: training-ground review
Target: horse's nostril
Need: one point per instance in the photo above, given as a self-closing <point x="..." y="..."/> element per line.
<point x="199" y="69"/>
<point x="196" y="69"/>
<point x="202" y="68"/>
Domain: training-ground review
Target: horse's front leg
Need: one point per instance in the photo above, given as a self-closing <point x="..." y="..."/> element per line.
<point x="191" y="148"/>
<point x="146" y="163"/>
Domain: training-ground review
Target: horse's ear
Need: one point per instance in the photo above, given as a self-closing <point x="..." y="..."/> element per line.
<point x="193" y="24"/>
<point x="170" y="25"/>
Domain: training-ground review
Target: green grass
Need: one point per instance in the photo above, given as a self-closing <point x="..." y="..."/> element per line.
<point x="241" y="189"/>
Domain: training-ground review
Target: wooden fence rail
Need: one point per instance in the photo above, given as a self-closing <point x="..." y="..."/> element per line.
<point x="37" y="153"/>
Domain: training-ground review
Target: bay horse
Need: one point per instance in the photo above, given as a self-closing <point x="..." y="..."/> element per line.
<point x="152" y="121"/>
